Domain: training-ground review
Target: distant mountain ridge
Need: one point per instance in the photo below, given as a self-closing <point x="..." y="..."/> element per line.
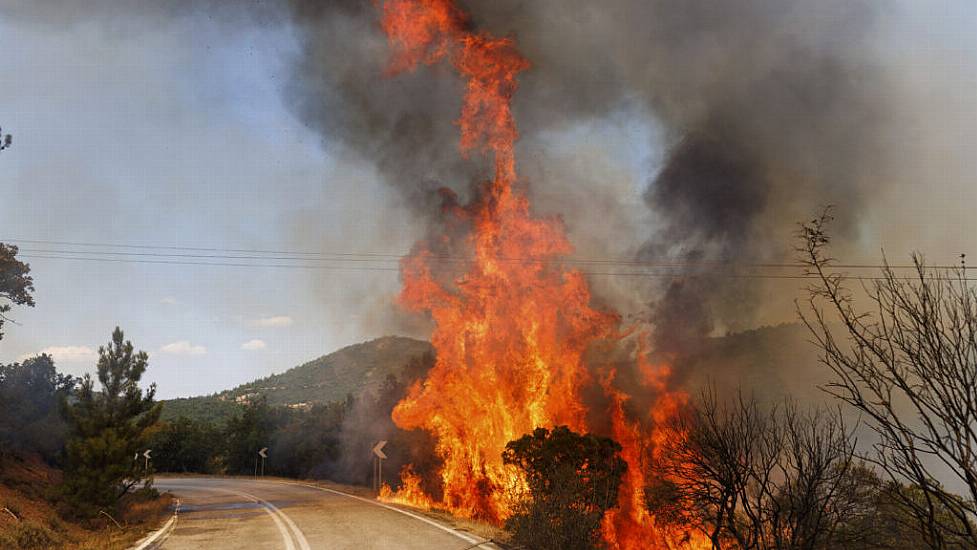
<point x="768" y="361"/>
<point x="352" y="370"/>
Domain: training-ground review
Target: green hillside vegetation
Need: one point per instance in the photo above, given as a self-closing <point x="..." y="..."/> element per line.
<point x="770" y="361"/>
<point x="352" y="370"/>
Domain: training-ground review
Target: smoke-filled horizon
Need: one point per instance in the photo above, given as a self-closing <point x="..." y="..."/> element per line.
<point x="764" y="111"/>
<point x="662" y="130"/>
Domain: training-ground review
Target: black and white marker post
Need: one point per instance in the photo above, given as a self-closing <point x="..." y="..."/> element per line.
<point x="378" y="457"/>
<point x="263" y="453"/>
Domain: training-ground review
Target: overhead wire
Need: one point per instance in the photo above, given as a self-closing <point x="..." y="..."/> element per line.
<point x="364" y="268"/>
<point x="375" y="257"/>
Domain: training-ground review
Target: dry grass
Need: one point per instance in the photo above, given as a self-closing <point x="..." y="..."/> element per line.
<point x="29" y="520"/>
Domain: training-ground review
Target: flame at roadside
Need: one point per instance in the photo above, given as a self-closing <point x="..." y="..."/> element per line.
<point x="511" y="330"/>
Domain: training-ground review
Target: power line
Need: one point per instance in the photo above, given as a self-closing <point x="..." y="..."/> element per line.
<point x="287" y="255"/>
<point x="206" y="256"/>
<point x="640" y="274"/>
<point x="223" y="264"/>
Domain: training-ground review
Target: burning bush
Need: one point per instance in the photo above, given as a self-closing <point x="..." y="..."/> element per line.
<point x="513" y="325"/>
<point x="571" y="480"/>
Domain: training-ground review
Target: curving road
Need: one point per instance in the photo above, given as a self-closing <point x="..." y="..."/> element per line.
<point x="243" y="513"/>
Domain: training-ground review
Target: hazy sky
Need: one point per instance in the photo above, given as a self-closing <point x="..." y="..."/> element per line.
<point x="174" y="133"/>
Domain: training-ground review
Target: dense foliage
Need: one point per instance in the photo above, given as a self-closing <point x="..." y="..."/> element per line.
<point x="248" y="433"/>
<point x="30" y="397"/>
<point x="185" y="445"/>
<point x="327" y="440"/>
<point x="308" y="441"/>
<point x="572" y="480"/>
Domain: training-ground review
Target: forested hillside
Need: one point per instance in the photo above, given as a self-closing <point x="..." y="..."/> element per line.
<point x="351" y="370"/>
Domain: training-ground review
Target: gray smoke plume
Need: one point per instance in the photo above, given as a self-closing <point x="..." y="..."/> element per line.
<point x="770" y="108"/>
<point x="765" y="110"/>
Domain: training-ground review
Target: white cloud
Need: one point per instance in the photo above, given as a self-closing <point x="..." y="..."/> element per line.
<point x="276" y="321"/>
<point x="254" y="345"/>
<point x="67" y="354"/>
<point x="183" y="347"/>
<point x="169" y="301"/>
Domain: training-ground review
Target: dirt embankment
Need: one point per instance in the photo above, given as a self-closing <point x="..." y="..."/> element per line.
<point x="29" y="517"/>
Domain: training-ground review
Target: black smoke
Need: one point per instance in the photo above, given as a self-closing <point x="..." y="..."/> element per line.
<point x="770" y="108"/>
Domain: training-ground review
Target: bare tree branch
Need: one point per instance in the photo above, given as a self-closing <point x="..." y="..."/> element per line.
<point x="909" y="366"/>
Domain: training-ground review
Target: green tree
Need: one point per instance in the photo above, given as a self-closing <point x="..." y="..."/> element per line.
<point x="572" y="481"/>
<point x="107" y="428"/>
<point x="30" y="394"/>
<point x="186" y="445"/>
<point x="308" y="441"/>
<point x="16" y="284"/>
<point x="247" y="433"/>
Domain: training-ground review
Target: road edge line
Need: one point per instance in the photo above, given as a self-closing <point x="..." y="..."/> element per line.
<point x="297" y="533"/>
<point x="276" y="515"/>
<point x="163" y="531"/>
<point x="471" y="539"/>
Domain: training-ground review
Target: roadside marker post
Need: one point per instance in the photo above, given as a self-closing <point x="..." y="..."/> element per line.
<point x="263" y="453"/>
<point x="378" y="457"/>
<point x="147" y="457"/>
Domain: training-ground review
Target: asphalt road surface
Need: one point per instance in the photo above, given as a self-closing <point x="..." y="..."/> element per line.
<point x="242" y="513"/>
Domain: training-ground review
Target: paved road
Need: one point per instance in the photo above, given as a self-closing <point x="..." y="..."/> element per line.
<point x="241" y="513"/>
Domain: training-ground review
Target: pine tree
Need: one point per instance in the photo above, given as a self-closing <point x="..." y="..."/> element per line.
<point x="16" y="284"/>
<point x="107" y="428"/>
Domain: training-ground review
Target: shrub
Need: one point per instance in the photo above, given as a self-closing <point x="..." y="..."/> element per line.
<point x="572" y="481"/>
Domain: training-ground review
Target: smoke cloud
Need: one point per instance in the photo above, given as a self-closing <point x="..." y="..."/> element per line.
<point x="760" y="111"/>
<point x="768" y="110"/>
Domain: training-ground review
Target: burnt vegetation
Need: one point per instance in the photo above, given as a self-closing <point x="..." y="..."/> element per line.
<point x="755" y="476"/>
<point x="903" y="354"/>
<point x="907" y="362"/>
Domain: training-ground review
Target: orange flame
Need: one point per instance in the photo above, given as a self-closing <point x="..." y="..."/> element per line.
<point x="510" y="334"/>
<point x="409" y="493"/>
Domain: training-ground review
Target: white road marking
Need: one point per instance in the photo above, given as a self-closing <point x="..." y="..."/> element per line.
<point x="274" y="512"/>
<point x="280" y="518"/>
<point x="165" y="530"/>
<point x="463" y="536"/>
<point x="299" y="536"/>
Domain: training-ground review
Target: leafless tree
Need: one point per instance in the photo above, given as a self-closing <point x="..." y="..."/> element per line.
<point x="757" y="478"/>
<point x="909" y="366"/>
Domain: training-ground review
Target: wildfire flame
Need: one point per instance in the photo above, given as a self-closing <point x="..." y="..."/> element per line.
<point x="510" y="334"/>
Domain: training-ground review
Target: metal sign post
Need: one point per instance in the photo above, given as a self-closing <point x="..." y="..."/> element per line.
<point x="147" y="457"/>
<point x="263" y="453"/>
<point x="379" y="455"/>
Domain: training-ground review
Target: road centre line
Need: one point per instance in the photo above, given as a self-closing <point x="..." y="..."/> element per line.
<point x="282" y="521"/>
